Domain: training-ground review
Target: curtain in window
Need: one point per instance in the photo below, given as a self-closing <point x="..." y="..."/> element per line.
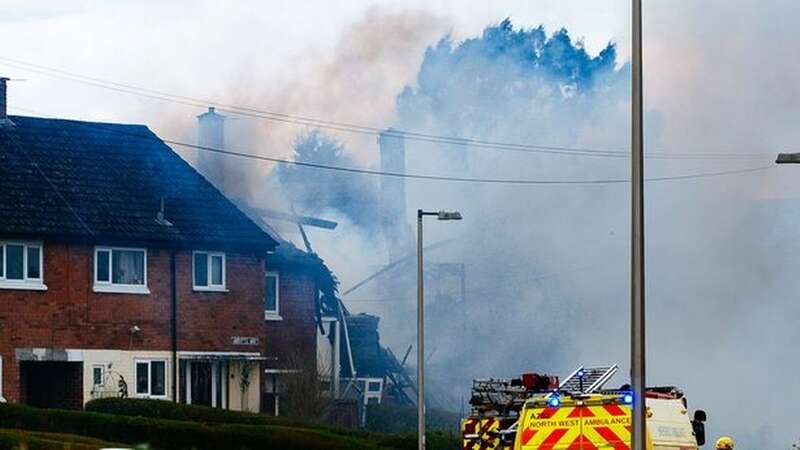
<point x="128" y="266"/>
<point x="216" y="270"/>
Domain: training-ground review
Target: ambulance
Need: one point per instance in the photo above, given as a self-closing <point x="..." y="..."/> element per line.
<point x="603" y="421"/>
<point x="580" y="415"/>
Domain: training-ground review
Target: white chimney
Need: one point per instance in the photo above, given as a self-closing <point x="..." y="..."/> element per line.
<point x="394" y="219"/>
<point x="211" y="135"/>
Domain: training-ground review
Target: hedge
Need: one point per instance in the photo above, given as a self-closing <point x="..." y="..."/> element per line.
<point x="19" y="440"/>
<point x="163" y="409"/>
<point x="385" y="418"/>
<point x="402" y="419"/>
<point x="172" y="434"/>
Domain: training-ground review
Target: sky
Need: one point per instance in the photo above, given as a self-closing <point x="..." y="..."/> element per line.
<point x="307" y="57"/>
<point x="720" y="77"/>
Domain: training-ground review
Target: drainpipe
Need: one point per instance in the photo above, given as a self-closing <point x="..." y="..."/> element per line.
<point x="174" y="326"/>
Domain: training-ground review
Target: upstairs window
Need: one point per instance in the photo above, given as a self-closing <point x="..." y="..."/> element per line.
<point x="272" y="296"/>
<point x="21" y="265"/>
<point x="209" y="271"/>
<point x="120" y="270"/>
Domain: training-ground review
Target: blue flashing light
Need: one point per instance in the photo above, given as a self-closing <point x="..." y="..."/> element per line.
<point x="554" y="401"/>
<point x="581" y="374"/>
<point x="627" y="398"/>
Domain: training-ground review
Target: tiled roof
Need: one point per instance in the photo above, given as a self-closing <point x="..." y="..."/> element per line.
<point x="103" y="183"/>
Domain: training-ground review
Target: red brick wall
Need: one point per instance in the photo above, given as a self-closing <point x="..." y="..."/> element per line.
<point x="296" y="335"/>
<point x="70" y="315"/>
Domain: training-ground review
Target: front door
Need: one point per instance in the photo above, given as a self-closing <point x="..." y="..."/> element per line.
<point x="204" y="383"/>
<point x="201" y="383"/>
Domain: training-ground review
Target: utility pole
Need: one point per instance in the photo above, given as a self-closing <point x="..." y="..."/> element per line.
<point x="639" y="433"/>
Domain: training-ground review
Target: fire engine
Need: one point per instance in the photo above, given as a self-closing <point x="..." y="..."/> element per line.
<point x="539" y="412"/>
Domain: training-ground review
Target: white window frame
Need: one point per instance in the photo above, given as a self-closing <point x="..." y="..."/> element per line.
<point x="368" y="394"/>
<point x="274" y="315"/>
<point x="102" y="368"/>
<point x="32" y="284"/>
<point x="210" y="287"/>
<point x="118" y="288"/>
<point x="149" y="362"/>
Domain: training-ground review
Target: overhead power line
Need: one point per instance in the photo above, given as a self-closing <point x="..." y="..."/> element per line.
<point x="450" y="178"/>
<point x="415" y="176"/>
<point x="352" y="127"/>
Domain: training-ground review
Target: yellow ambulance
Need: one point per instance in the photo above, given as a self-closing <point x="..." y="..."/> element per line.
<point x="602" y="420"/>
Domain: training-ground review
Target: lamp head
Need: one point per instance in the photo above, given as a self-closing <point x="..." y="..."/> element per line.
<point x="448" y="215"/>
<point x="788" y="158"/>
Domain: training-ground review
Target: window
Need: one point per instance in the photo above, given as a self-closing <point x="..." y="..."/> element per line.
<point x="21" y="265"/>
<point x="209" y="271"/>
<point x="272" y="297"/>
<point x="151" y="378"/>
<point x="122" y="270"/>
<point x="374" y="386"/>
<point x="98" y="375"/>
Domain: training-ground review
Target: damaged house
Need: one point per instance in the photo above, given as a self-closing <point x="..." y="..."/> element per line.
<point x="300" y="291"/>
<point x="310" y="369"/>
<point x="300" y="308"/>
<point x="123" y="272"/>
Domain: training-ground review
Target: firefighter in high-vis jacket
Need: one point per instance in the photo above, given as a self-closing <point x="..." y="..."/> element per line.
<point x="724" y="443"/>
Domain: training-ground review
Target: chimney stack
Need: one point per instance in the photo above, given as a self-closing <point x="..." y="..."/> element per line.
<point x="211" y="134"/>
<point x="212" y="129"/>
<point x="394" y="218"/>
<point x="3" y="99"/>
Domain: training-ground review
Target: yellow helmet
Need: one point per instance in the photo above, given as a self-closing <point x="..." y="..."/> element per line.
<point x="724" y="443"/>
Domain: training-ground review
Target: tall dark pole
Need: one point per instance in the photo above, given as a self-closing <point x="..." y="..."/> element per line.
<point x="174" y="325"/>
<point x="441" y="215"/>
<point x="637" y="236"/>
<point x="420" y="339"/>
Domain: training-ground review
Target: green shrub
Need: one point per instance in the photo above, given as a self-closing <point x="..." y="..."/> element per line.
<point x="18" y="440"/>
<point x="435" y="440"/>
<point x="162" y="409"/>
<point x="385" y="418"/>
<point x="175" y="435"/>
<point x="394" y="420"/>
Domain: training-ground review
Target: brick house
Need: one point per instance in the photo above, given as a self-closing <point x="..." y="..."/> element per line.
<point x="122" y="271"/>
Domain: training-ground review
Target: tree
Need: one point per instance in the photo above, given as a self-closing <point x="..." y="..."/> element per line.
<point x="314" y="191"/>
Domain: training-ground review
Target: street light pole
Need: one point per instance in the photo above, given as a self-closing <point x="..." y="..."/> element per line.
<point x="638" y="335"/>
<point x="441" y="215"/>
<point x="420" y="339"/>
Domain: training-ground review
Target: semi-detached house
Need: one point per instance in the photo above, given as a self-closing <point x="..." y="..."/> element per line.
<point x="123" y="271"/>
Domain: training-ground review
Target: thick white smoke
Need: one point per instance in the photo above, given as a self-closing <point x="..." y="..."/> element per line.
<point x="547" y="266"/>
